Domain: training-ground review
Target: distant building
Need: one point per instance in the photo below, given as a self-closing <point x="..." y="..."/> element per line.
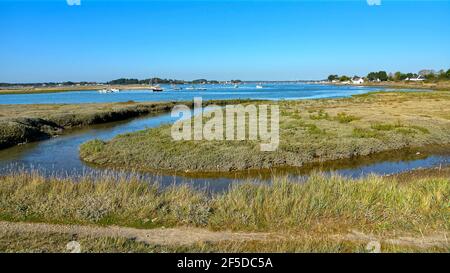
<point x="357" y="80"/>
<point x="417" y="79"/>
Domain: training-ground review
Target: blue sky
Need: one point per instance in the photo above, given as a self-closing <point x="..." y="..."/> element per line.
<point x="250" y="40"/>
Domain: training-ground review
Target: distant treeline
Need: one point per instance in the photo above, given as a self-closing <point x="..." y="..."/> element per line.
<point x="121" y="81"/>
<point x="426" y="74"/>
<point x="50" y="84"/>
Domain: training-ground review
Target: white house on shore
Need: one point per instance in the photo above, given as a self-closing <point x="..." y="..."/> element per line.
<point x="357" y="80"/>
<point x="418" y="79"/>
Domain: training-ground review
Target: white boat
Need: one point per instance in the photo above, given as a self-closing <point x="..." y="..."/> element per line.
<point x="196" y="88"/>
<point x="156" y="88"/>
<point x="110" y="90"/>
<point x="259" y="86"/>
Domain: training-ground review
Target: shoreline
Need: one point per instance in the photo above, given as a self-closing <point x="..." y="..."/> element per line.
<point x="443" y="85"/>
<point x="43" y="90"/>
<point x="436" y="86"/>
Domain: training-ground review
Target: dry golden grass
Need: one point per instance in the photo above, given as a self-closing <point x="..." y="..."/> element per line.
<point x="317" y="215"/>
<point x="33" y="242"/>
<point x="372" y="204"/>
<point x="434" y="85"/>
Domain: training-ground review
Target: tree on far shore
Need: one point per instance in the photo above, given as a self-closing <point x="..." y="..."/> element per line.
<point x="344" y="78"/>
<point x="380" y="75"/>
<point x="333" y="78"/>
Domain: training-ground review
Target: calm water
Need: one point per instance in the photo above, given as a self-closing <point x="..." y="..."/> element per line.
<point x="59" y="155"/>
<point x="213" y="92"/>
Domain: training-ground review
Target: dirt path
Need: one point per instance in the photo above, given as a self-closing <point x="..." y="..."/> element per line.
<point x="440" y="240"/>
<point x="187" y="236"/>
<point x="160" y="236"/>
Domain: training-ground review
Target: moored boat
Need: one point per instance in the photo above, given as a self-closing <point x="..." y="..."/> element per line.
<point x="109" y="90"/>
<point x="156" y="88"/>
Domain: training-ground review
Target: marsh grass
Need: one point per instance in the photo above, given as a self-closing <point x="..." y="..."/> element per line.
<point x="310" y="244"/>
<point x="32" y="242"/>
<point x="311" y="131"/>
<point x="321" y="203"/>
<point x="370" y="203"/>
<point x="341" y="117"/>
<point x="400" y="128"/>
<point x="321" y="114"/>
<point x="420" y="129"/>
<point x="105" y="200"/>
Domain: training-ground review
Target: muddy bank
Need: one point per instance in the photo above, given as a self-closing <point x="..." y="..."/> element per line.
<point x="18" y="130"/>
<point x="22" y="130"/>
<point x="27" y="123"/>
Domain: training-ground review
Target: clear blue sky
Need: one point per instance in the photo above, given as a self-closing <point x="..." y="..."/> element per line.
<point x="252" y="40"/>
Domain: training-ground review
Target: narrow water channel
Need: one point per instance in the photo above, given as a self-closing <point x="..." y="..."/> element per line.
<point x="59" y="156"/>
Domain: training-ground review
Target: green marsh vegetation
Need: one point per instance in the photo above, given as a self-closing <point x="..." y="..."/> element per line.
<point x="311" y="131"/>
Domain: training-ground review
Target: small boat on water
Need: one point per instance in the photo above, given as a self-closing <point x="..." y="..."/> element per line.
<point x="196" y="88"/>
<point x="156" y="88"/>
<point x="236" y="86"/>
<point x="109" y="90"/>
<point x="259" y="86"/>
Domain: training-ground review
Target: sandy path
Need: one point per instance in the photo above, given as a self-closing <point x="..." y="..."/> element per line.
<point x="440" y="240"/>
<point x="160" y="236"/>
<point x="187" y="236"/>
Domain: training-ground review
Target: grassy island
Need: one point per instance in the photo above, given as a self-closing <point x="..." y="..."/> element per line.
<point x="310" y="131"/>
